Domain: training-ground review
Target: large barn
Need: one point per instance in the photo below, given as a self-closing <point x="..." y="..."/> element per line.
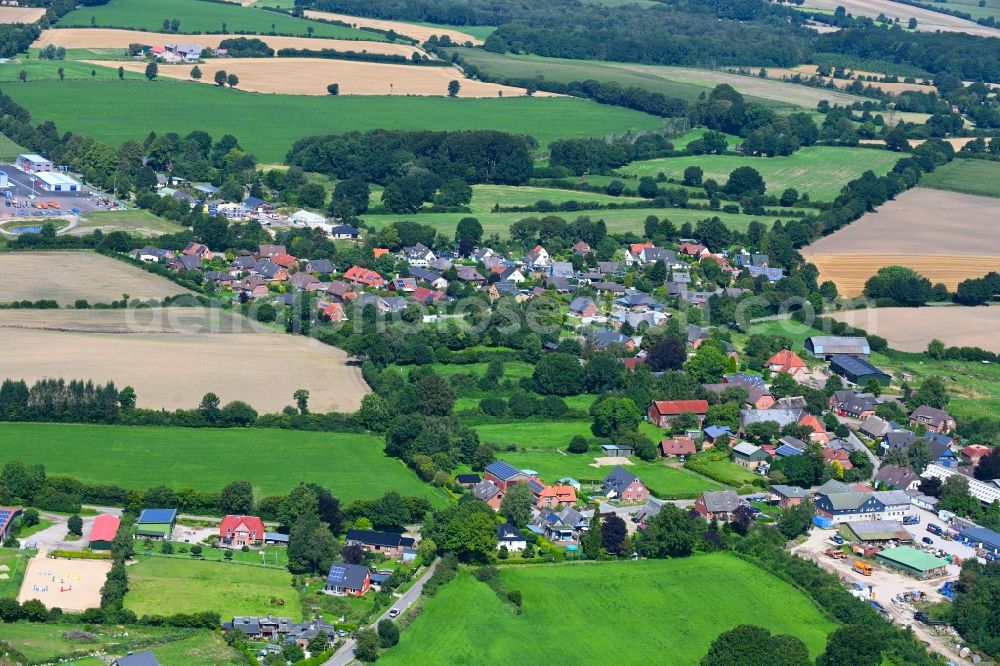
<point x="103" y="532"/>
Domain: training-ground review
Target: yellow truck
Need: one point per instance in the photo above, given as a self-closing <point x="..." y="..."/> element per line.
<point x="863" y="568"/>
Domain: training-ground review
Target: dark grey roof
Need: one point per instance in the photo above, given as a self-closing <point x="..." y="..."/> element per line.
<point x="721" y="500"/>
<point x="896" y="476"/>
<point x="854" y="365"/>
<point x="485" y="490"/>
<point x="508" y="532"/>
<point x="579" y="303"/>
<point x="138" y="659"/>
<point x="320" y="266"/>
<point x="619" y="479"/>
<point x="350" y="576"/>
<point x="374" y="538"/>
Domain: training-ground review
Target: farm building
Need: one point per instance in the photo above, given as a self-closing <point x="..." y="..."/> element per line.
<point x="156" y="523"/>
<point x="7" y="516"/>
<point x="31" y="163"/>
<point x="137" y="659"/>
<point x="876" y="531"/>
<point x="749" y="456"/>
<point x="981" y="537"/>
<point x="826" y="346"/>
<point x="913" y="561"/>
<point x="275" y="539"/>
<point x="103" y="532"/>
<point x="389" y="544"/>
<point x="857" y="370"/>
<point x="56" y="182"/>
<point x="348" y="579"/>
<point x="3" y="179"/>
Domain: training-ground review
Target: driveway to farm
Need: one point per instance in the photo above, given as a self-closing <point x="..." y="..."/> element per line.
<point x="54" y="536"/>
<point x="345" y="654"/>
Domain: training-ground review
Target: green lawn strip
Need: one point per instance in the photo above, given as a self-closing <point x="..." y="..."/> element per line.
<point x="820" y="171"/>
<point x="134" y="220"/>
<point x="533" y="434"/>
<point x="485" y="197"/>
<point x="205" y="648"/>
<point x="163" y="586"/>
<point x="115" y="111"/>
<point x="709" y="594"/>
<point x="352" y="465"/>
<point x="273" y="556"/>
<point x="980" y="177"/>
<point x="16" y="561"/>
<point x="723" y="470"/>
<point x="200" y="17"/>
<point x="338" y="610"/>
<point x="9" y="150"/>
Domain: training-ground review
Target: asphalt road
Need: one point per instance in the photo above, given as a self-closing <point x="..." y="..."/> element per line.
<point x="345" y="654"/>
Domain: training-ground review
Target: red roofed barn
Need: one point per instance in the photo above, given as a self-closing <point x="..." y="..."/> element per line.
<point x="103" y="531"/>
<point x="662" y="411"/>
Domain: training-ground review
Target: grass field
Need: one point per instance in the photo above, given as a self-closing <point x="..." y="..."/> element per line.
<point x="617" y="220"/>
<point x="73" y="275"/>
<point x="273" y="556"/>
<point x="163" y="586"/>
<point x="352" y="465"/>
<point x="8" y="149"/>
<point x="967" y="176"/>
<point x="820" y="171"/>
<point x="15" y="561"/>
<point x="115" y="111"/>
<point x="683" y="82"/>
<point x="484" y="197"/>
<point x="709" y="594"/>
<point x="196" y="16"/>
<point x="136" y="221"/>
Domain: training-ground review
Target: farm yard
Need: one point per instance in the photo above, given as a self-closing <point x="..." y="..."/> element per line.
<point x="69" y="276"/>
<point x="310" y="76"/>
<point x="353" y="465"/>
<point x="114" y="111"/>
<point x="166" y="585"/>
<point x="419" y="32"/>
<point x="466" y="622"/>
<point x="946" y="236"/>
<point x="910" y="329"/>
<point x="110" y="38"/>
<point x="195" y="16"/>
<point x="21" y="14"/>
<point x="978" y="177"/>
<point x="820" y="171"/>
<point x="683" y="82"/>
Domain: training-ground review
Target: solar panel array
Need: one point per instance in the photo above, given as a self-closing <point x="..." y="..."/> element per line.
<point x="5" y="515"/>
<point x="337" y="574"/>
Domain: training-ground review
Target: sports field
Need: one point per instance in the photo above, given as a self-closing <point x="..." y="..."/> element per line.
<point x="352" y="465"/>
<point x="196" y="16"/>
<point x="946" y="236"/>
<point x="820" y="171"/>
<point x="115" y="111"/>
<point x="136" y="221"/>
<point x="419" y="32"/>
<point x="310" y="76"/>
<point x="683" y="82"/>
<point x="111" y="38"/>
<point x="966" y="176"/>
<point x="163" y="586"/>
<point x="68" y="276"/>
<point x="619" y="607"/>
<point x="73" y="585"/>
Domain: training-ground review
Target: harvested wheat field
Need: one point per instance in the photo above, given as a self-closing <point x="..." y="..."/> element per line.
<point x="910" y="329"/>
<point x="67" y="276"/>
<point x="171" y="371"/>
<point x="310" y="76"/>
<point x="21" y="14"/>
<point x="108" y="38"/>
<point x="927" y="20"/>
<point x="956" y="142"/>
<point x="420" y="32"/>
<point x="946" y="236"/>
<point x="176" y="320"/>
<point x="810" y="70"/>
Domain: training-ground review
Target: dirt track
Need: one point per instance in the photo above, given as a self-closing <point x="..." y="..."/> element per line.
<point x="310" y="76"/>
<point x="946" y="236"/>
<point x="413" y="30"/>
<point x="910" y="329"/>
<point x="101" y="38"/>
<point x="927" y="20"/>
<point x="21" y="14"/>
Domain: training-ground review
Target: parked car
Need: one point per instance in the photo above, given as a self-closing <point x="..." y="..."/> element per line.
<point x="928" y="540"/>
<point x="933" y="529"/>
<point x="394" y="613"/>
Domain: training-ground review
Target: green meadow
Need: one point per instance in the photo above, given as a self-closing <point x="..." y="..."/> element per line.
<point x="966" y="176"/>
<point x="617" y="613"/>
<point x="135" y="220"/>
<point x="820" y="171"/>
<point x="196" y="16"/>
<point x="114" y="111"/>
<point x="485" y="197"/>
<point x="16" y="562"/>
<point x="352" y="465"/>
<point x="164" y="586"/>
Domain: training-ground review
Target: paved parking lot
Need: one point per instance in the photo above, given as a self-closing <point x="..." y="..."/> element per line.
<point x="20" y="187"/>
<point x="919" y="532"/>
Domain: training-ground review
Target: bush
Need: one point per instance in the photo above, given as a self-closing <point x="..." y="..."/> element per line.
<point x="578" y="444"/>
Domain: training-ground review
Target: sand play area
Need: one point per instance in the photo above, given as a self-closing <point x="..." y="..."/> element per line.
<point x="73" y="585"/>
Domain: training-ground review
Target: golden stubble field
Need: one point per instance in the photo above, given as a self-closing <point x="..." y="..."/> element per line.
<point x="310" y="76"/>
<point x="911" y="329"/>
<point x="421" y="32"/>
<point x="812" y="70"/>
<point x="946" y="236"/>
<point x="68" y="276"/>
<point x="109" y="38"/>
<point x="21" y="14"/>
<point x="927" y="20"/>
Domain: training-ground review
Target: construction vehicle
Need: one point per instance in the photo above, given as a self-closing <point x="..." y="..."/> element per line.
<point x="862" y="567"/>
<point x="835" y="554"/>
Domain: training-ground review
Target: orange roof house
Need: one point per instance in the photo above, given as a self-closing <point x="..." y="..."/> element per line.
<point x="333" y="312"/>
<point x="787" y="361"/>
<point x="380" y="251"/>
<point x="369" y="278"/>
<point x="819" y="433"/>
<point x="553" y="496"/>
<point x="285" y="260"/>
<point x="678" y="446"/>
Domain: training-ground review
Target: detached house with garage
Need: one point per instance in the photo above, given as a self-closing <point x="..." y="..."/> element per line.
<point x="395" y="546"/>
<point x="351" y="580"/>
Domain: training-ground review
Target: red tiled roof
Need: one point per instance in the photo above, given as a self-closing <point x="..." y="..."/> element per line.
<point x="678" y="446"/>
<point x="674" y="407"/>
<point x="692" y="248"/>
<point x="333" y="312"/>
<point x="787" y="360"/>
<point x="562" y="493"/>
<point x="105" y="527"/>
<point x="380" y="251"/>
<point x="637" y="248"/>
<point x="364" y="276"/>
<point x="284" y="260"/>
<point x="253" y="524"/>
<point x="812" y="422"/>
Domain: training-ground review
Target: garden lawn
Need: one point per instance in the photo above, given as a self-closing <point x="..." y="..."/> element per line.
<point x="534" y="434"/>
<point x="163" y="586"/>
<point x="196" y="16"/>
<point x="115" y="111"/>
<point x="723" y="470"/>
<point x="651" y="611"/>
<point x="274" y="556"/>
<point x="15" y="560"/>
<point x="45" y="641"/>
<point x="42" y="524"/>
<point x="820" y="171"/>
<point x="205" y="648"/>
<point x="352" y="465"/>
<point x="967" y="176"/>
<point x="8" y="149"/>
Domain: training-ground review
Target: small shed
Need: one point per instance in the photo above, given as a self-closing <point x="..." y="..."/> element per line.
<point x="616" y="451"/>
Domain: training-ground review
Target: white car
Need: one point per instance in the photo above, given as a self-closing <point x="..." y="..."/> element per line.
<point x="394" y="613"/>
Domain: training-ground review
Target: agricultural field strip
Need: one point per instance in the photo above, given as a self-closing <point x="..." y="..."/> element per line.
<point x="927" y="20"/>
<point x="419" y="32"/>
<point x="21" y="14"/>
<point x="911" y="329"/>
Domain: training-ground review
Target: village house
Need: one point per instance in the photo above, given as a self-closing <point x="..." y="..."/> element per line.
<point x="419" y="255"/>
<point x="239" y="531"/>
<point x="787" y="361"/>
<point x="341" y="291"/>
<point x="897" y="477"/>
<point x="933" y="419"/>
<point x="351" y="580"/>
<point x="394" y="546"/>
<point x="404" y="284"/>
<point x="788" y="496"/>
<point x="552" y="497"/>
<point x="537" y="258"/>
<point x="426" y="296"/>
<point x="504" y="476"/>
<point x="620" y="484"/>
<point x="510" y="537"/>
<point x="661" y="412"/>
<point x="197" y="250"/>
<point x="364" y="276"/>
<point x="716" y="436"/>
<point x="582" y="306"/>
<point x="488" y="492"/>
<point x="320" y="267"/>
<point x="678" y="446"/>
<point x="717" y="505"/>
<point x="749" y="456"/>
<point x="344" y="232"/>
<point x="333" y="312"/>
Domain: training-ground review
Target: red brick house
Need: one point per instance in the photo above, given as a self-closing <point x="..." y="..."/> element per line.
<point x="661" y="412"/>
<point x="678" y="446"/>
<point x="389" y="544"/>
<point x="787" y="361"/>
<point x="693" y="249"/>
<point x="621" y="484"/>
<point x="818" y="433"/>
<point x="936" y="420"/>
<point x="351" y="580"/>
<point x="239" y="531"/>
<point x="286" y="261"/>
<point x="369" y="278"/>
<point x="197" y="250"/>
<point x="718" y="505"/>
<point x="503" y="476"/>
<point x="333" y="312"/>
